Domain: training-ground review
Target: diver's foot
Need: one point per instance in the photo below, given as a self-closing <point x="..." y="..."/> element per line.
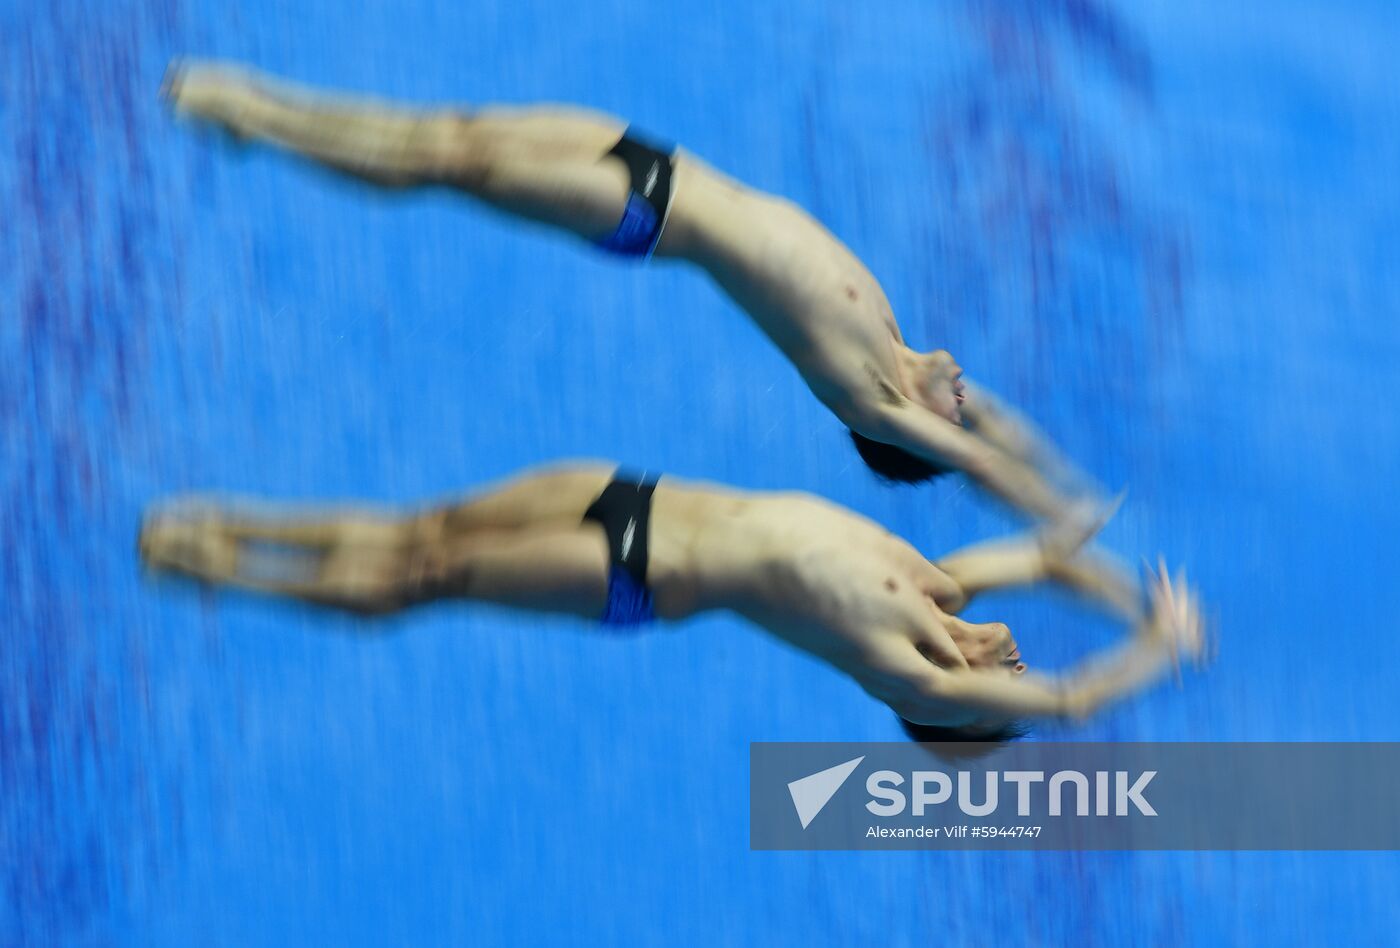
<point x="193" y="546"/>
<point x="208" y="91"/>
<point x="172" y="82"/>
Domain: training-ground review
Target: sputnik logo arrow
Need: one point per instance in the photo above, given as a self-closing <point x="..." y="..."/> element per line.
<point x="811" y="793"/>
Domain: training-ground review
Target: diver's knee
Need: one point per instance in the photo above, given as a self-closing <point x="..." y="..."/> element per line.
<point x="461" y="149"/>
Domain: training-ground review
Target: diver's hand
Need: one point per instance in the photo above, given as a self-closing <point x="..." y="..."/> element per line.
<point x="1171" y="628"/>
<point x="1062" y="538"/>
<point x="1174" y="623"/>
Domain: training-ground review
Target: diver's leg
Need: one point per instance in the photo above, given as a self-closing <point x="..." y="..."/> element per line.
<point x="523" y="544"/>
<point x="351" y="562"/>
<point x="289" y="525"/>
<point x="541" y="163"/>
<point x="558" y="570"/>
<point x="374" y="568"/>
<point x="550" y="497"/>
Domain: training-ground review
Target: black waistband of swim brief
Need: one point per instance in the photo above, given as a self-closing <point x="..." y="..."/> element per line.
<point x="649" y="168"/>
<point x="623" y="510"/>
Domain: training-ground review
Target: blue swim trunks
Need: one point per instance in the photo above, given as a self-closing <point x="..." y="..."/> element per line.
<point x="623" y="510"/>
<point x="629" y="602"/>
<point x="649" y="200"/>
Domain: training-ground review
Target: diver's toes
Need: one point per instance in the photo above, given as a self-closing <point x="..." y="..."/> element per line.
<point x="171" y="82"/>
<point x="157" y="541"/>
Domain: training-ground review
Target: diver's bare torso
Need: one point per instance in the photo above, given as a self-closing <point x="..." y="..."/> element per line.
<point x="822" y="578"/>
<point x="807" y="292"/>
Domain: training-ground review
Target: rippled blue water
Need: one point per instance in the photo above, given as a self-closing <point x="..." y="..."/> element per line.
<point x="1166" y="229"/>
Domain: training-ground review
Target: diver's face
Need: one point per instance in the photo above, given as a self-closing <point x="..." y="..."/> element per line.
<point x="987" y="646"/>
<point x="941" y="387"/>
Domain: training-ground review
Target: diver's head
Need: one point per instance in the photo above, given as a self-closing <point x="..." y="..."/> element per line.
<point x="974" y="739"/>
<point x="934" y="382"/>
<point x="990" y="650"/>
<point x="893" y="464"/>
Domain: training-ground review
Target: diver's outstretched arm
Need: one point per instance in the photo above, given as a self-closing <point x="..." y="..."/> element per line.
<point x="993" y="564"/>
<point x="1016" y="435"/>
<point x="1059" y="553"/>
<point x="1023" y="561"/>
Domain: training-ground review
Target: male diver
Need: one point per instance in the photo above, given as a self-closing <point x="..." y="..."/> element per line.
<point x="588" y="541"/>
<point x="910" y="413"/>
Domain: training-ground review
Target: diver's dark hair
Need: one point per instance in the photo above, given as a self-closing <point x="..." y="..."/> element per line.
<point x="895" y="464"/>
<point x="979" y="740"/>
